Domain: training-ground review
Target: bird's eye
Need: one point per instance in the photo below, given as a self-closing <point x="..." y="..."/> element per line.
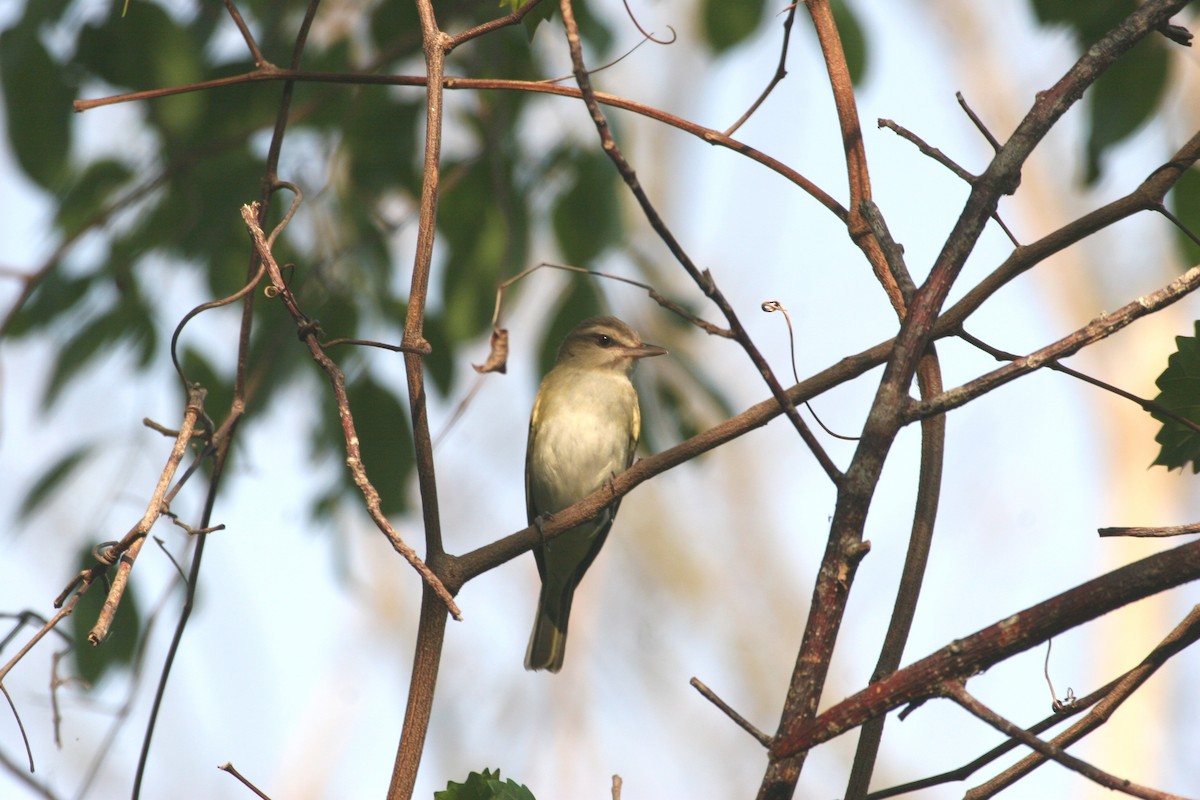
<point x="604" y="340"/>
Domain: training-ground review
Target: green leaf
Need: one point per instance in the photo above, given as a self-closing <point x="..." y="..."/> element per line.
<point x="478" y="239"/>
<point x="51" y="479"/>
<point x="1179" y="391"/>
<point x="533" y="20"/>
<point x="37" y="96"/>
<point x="1125" y="96"/>
<point x="484" y="786"/>
<point x="730" y="22"/>
<point x="93" y="662"/>
<point x="1088" y="21"/>
<point x="129" y="322"/>
<point x="56" y="295"/>
<point x="1123" y="99"/>
<point x="1184" y="201"/>
<point x="587" y="216"/>
<point x="89" y="192"/>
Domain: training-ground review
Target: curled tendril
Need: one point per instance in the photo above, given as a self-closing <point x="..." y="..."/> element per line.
<point x="770" y="306"/>
<point x="642" y="30"/>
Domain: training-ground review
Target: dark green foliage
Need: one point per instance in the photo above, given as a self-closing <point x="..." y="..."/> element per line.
<point x="484" y="786"/>
<point x="1179" y="391"/>
<point x="1124" y="97"/>
<point x="1184" y="202"/>
<point x="587" y="216"/>
<point x="93" y="662"/>
<point x="51" y="479"/>
<point x="38" y="91"/>
<point x="729" y="24"/>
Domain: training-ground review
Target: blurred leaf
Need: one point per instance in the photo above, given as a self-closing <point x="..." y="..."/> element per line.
<point x="89" y="192"/>
<point x="727" y="24"/>
<point x="854" y="40"/>
<point x="145" y="48"/>
<point x="679" y="403"/>
<point x="440" y="362"/>
<point x="534" y="19"/>
<point x="57" y="294"/>
<point x="396" y="26"/>
<point x="37" y="95"/>
<point x="92" y="663"/>
<point x="1126" y="95"/>
<point x="1088" y="21"/>
<point x="380" y="137"/>
<point x="587" y="216"/>
<point x="129" y="322"/>
<point x="484" y="786"/>
<point x="1123" y="99"/>
<point x="52" y="478"/>
<point x="476" y="233"/>
<point x="580" y="299"/>
<point x="1185" y="204"/>
<point x="1179" y="390"/>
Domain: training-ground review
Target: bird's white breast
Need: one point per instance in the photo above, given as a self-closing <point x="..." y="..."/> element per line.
<point x="584" y="435"/>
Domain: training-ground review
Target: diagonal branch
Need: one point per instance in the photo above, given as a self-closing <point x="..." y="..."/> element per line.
<point x="963" y="658"/>
<point x="703" y="279"/>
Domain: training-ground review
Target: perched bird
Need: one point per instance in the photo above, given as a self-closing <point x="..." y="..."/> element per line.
<point x="582" y="433"/>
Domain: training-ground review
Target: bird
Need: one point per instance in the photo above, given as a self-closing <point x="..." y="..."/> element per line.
<point x="583" y="432"/>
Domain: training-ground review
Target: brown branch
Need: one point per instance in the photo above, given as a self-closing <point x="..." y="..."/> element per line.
<point x="857" y="175"/>
<point x="229" y="768"/>
<point x="501" y="22"/>
<point x="780" y="72"/>
<point x="920" y="326"/>
<point x="157" y="505"/>
<point x="955" y="691"/>
<point x="703" y="280"/>
<point x="963" y="658"/>
<point x="709" y="135"/>
<point x="338" y="382"/>
<point x="743" y="723"/>
<point x="66" y="605"/>
<point x="1100" y="328"/>
<point x="1185" y="634"/>
<point x="1148" y="533"/>
<point x="431" y="630"/>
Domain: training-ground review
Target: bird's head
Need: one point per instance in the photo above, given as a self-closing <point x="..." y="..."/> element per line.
<point x="605" y="342"/>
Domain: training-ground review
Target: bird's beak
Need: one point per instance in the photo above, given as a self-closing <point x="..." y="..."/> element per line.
<point x="645" y="351"/>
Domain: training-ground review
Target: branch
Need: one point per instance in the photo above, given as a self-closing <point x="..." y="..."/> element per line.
<point x="337" y="380"/>
<point x="1185" y="634"/>
<point x="157" y="505"/>
<point x="709" y="135"/>
<point x="703" y="280"/>
<point x="964" y="658"/>
<point x="431" y="630"/>
<point x="958" y="694"/>
<point x="1100" y="328"/>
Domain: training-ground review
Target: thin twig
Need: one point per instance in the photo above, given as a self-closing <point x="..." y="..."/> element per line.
<point x="960" y="695"/>
<point x="1152" y="533"/>
<point x="338" y="381"/>
<point x="780" y="71"/>
<point x="703" y="279"/>
<point x="739" y="720"/>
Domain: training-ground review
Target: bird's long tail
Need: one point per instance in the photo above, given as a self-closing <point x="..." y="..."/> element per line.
<point x="548" y="642"/>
